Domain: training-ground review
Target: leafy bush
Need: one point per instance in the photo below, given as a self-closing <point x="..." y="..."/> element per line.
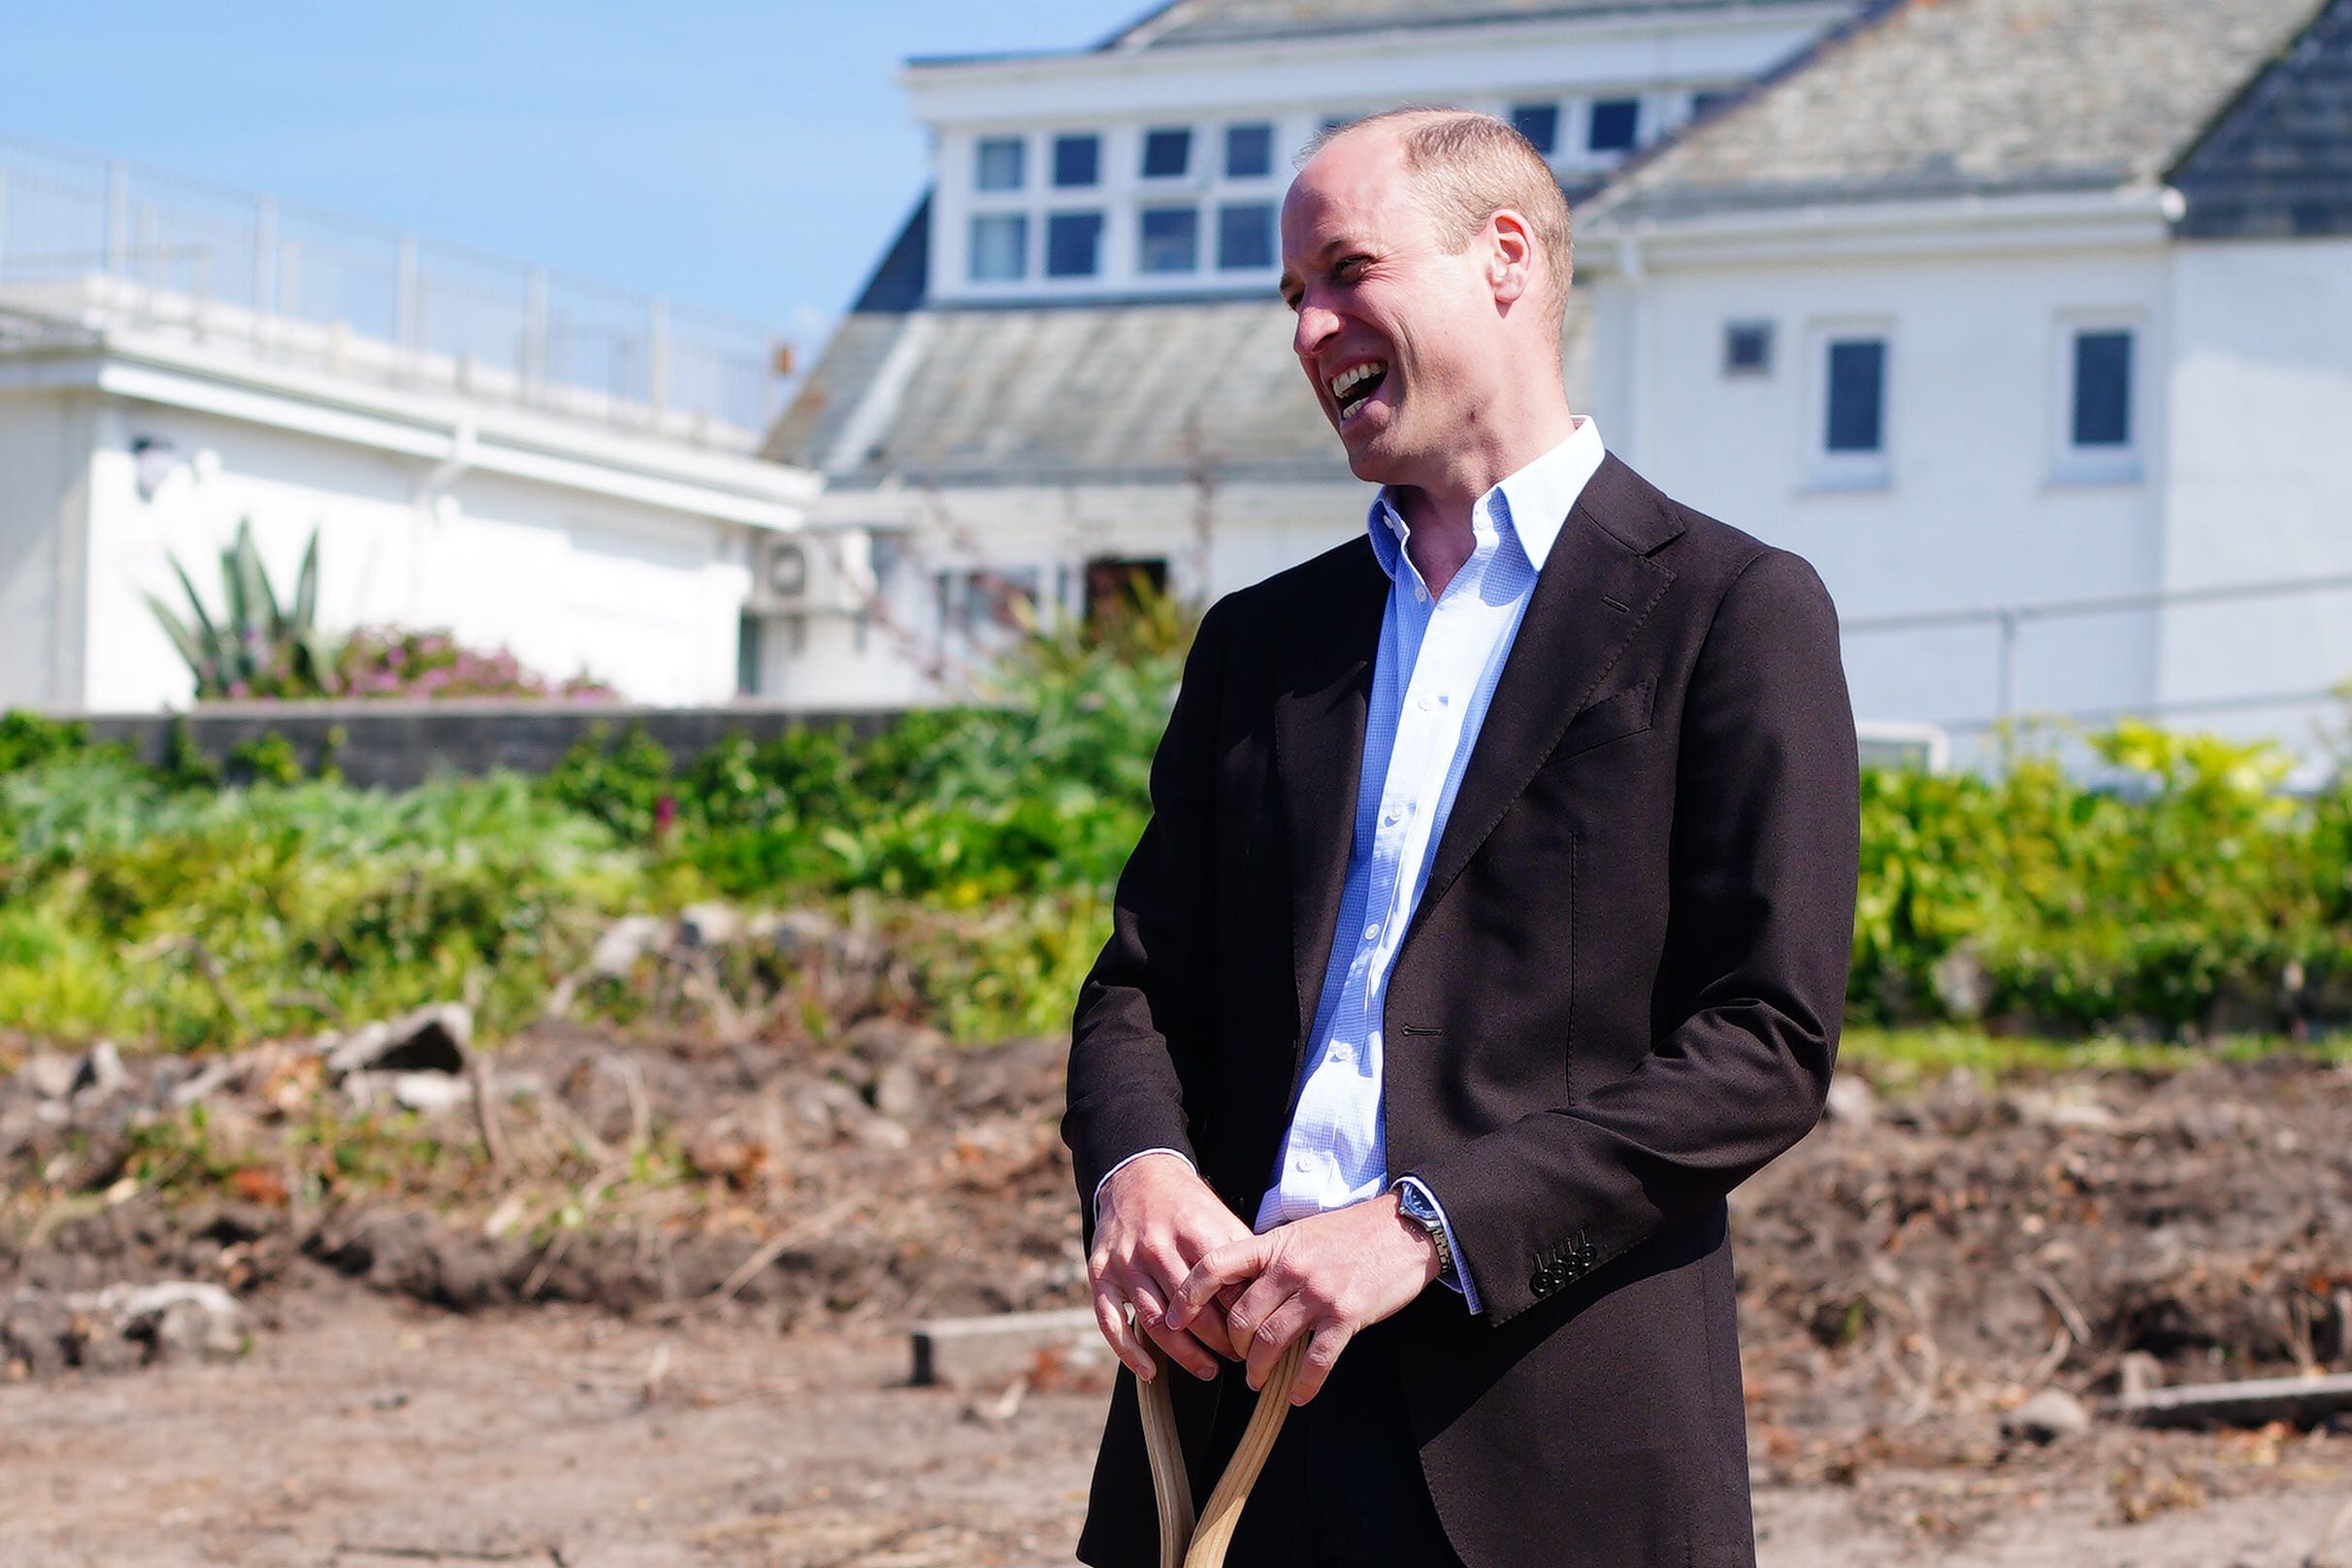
<point x="259" y="646"/>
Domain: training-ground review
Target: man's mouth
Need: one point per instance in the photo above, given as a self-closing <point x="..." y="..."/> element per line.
<point x="1353" y="388"/>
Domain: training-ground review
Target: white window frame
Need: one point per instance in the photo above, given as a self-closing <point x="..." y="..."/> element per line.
<point x="2071" y="464"/>
<point x="1824" y="468"/>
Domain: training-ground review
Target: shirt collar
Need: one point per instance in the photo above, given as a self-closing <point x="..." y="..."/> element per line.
<point x="1534" y="502"/>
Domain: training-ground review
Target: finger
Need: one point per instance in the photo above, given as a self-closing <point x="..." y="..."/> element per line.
<point x="1236" y="1263"/>
<point x="1110" y="1315"/>
<point x="1327" y="1340"/>
<point x="1285" y="1323"/>
<point x="1255" y="1303"/>
<point x="1185" y="1351"/>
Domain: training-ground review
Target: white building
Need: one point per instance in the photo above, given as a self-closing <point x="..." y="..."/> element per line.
<point x="524" y="459"/>
<point x="2028" y="321"/>
<point x="1072" y="364"/>
<point x="1999" y="306"/>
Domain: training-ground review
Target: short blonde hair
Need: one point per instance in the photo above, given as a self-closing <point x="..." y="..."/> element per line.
<point x="1469" y="167"/>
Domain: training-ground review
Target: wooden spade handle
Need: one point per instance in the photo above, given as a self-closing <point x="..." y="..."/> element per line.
<point x="1181" y="1544"/>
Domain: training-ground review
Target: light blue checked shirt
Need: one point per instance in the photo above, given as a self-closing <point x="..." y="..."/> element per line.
<point x="1440" y="658"/>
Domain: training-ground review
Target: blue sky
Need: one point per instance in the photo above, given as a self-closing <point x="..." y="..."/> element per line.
<point x="746" y="159"/>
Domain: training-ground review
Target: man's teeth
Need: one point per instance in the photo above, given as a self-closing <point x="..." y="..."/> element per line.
<point x="1345" y="380"/>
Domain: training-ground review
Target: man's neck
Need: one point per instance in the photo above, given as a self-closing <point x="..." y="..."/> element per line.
<point x="1438" y="515"/>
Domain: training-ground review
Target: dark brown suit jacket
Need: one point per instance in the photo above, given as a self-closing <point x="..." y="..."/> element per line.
<point x="1619" y="997"/>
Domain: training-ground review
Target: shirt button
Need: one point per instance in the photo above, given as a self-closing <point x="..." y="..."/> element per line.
<point x="1303" y="1163"/>
<point x="1421" y="594"/>
<point x="1428" y="702"/>
<point x="1372" y="930"/>
<point x="1390" y="818"/>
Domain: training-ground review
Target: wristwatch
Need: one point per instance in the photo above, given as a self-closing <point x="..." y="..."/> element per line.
<point x="1415" y="1202"/>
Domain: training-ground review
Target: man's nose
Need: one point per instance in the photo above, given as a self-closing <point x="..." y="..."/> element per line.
<point x="1313" y="328"/>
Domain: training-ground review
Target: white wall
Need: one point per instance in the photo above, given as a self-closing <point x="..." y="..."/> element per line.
<point x="44" y="470"/>
<point x="1978" y="505"/>
<point x="2260" y="470"/>
<point x="642" y="597"/>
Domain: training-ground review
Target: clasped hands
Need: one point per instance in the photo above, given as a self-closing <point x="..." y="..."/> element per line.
<point x="1204" y="1287"/>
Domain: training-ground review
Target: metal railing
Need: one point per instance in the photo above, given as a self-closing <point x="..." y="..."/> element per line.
<point x="2008" y="622"/>
<point x="97" y="241"/>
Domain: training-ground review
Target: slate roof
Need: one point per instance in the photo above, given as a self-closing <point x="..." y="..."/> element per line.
<point x="1919" y="99"/>
<point x="1135" y="392"/>
<point x="1229" y="21"/>
<point x="2278" y="164"/>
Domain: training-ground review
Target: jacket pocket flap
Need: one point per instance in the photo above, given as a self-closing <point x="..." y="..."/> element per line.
<point x="1609" y="718"/>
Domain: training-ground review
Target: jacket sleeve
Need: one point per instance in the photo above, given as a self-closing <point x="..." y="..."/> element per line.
<point x="1761" y="869"/>
<point x="1138" y="1042"/>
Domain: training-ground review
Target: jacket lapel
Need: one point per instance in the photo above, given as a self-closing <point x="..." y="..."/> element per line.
<point x="1319" y="748"/>
<point x="1595" y="589"/>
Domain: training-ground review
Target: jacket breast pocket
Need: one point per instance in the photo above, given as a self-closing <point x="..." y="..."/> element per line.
<point x="1613" y="717"/>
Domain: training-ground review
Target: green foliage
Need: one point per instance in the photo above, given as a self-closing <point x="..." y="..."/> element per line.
<point x="2188" y="894"/>
<point x="259" y="646"/>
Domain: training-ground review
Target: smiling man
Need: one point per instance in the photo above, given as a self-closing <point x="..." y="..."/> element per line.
<point x="1491" y="925"/>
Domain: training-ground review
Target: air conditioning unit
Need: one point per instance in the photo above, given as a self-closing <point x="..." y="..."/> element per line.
<point x="815" y="574"/>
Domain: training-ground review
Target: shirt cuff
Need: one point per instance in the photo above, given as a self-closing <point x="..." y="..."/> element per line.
<point x="1124" y="1165"/>
<point x="1457" y="1277"/>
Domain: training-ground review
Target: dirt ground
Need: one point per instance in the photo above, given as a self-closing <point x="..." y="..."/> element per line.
<point x="372" y="1433"/>
<point x="663" y="1320"/>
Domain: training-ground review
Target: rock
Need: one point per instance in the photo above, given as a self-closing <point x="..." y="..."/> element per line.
<point x="183" y="1318"/>
<point x="1852" y="1100"/>
<point x="430" y="1094"/>
<point x="625" y="941"/>
<point x="100" y="1073"/>
<point x="2046" y="1416"/>
<point x="49" y="1074"/>
<point x="2070" y="1110"/>
<point x="710" y="925"/>
<point x="901" y="1092"/>
<point x="884" y="1039"/>
<point x="431" y="1039"/>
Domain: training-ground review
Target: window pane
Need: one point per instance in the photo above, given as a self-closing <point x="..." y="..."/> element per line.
<point x="2102" y="388"/>
<point x="1857" y="395"/>
<point x="1167" y="152"/>
<point x="1077" y="159"/>
<point x="1000" y="161"/>
<point x="1073" y="243"/>
<point x="1539" y="123"/>
<point x="1000" y="246"/>
<point x="1245" y="236"/>
<point x="1747" y="348"/>
<point x="1248" y="151"/>
<point x="1171" y="240"/>
<point x="1701" y="103"/>
<point x="1615" y="123"/>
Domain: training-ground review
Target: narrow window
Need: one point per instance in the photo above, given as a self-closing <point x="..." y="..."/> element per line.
<point x="1248" y="151"/>
<point x="2102" y="388"/>
<point x="999" y="249"/>
<point x="999" y="163"/>
<point x="1539" y="123"/>
<point x="1077" y="159"/>
<point x="1073" y="244"/>
<point x="1705" y="103"/>
<point x="1857" y="396"/>
<point x="1167" y="152"/>
<point x="1747" y="348"/>
<point x="1615" y="126"/>
<point x="1245" y="236"/>
<point x="1170" y="240"/>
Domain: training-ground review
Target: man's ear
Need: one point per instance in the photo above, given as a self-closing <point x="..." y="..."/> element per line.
<point x="1511" y="256"/>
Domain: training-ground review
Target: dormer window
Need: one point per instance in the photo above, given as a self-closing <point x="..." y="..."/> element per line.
<point x="1248" y="151"/>
<point x="1539" y="123"/>
<point x="1170" y="240"/>
<point x="1073" y="244"/>
<point x="1615" y="126"/>
<point x="1001" y="163"/>
<point x="1077" y="160"/>
<point x="1167" y="152"/>
<point x="999" y="247"/>
<point x="1245" y="236"/>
